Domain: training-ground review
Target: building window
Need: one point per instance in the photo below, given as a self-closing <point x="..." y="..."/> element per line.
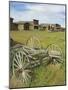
<point x="35" y="27"/>
<point x="49" y="27"/>
<point x="26" y="26"/>
<point x="35" y="21"/>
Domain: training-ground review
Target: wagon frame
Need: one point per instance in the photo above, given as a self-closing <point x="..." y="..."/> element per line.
<point x="26" y="57"/>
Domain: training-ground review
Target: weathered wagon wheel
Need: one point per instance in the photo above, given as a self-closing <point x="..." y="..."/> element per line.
<point x="20" y="67"/>
<point x="33" y="42"/>
<point x="55" y="54"/>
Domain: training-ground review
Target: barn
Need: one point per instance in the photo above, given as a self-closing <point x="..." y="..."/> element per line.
<point x="24" y="25"/>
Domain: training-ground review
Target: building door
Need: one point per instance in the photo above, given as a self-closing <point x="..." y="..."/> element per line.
<point x="26" y="26"/>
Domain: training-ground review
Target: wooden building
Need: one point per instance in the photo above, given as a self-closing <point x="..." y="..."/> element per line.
<point x="51" y="27"/>
<point x="33" y="25"/>
<point x="13" y="26"/>
<point x="54" y="27"/>
<point x="28" y="25"/>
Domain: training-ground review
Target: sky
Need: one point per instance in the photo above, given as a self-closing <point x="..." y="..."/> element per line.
<point x="45" y="13"/>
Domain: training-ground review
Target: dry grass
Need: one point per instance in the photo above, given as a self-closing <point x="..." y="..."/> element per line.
<point x="44" y="75"/>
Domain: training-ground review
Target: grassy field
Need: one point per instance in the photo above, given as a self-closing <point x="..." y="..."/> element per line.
<point x="44" y="75"/>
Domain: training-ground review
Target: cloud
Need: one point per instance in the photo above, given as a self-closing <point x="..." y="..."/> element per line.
<point x="45" y="13"/>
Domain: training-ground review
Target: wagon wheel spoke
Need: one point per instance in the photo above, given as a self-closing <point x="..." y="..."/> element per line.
<point x="33" y="42"/>
<point x="55" y="53"/>
<point x="20" y="67"/>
